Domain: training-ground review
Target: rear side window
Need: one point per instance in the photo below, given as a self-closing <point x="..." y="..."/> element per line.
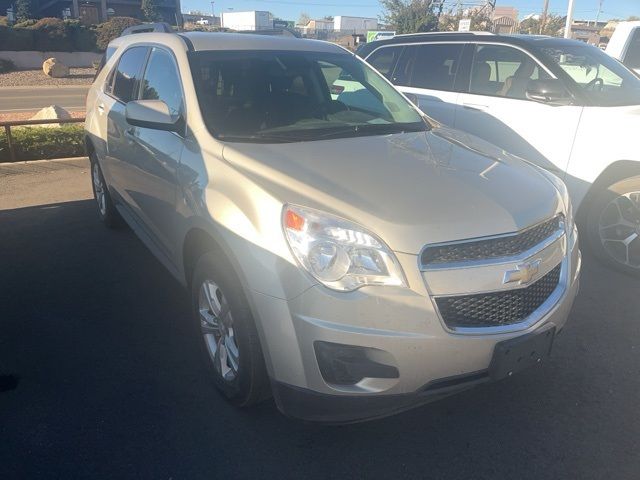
<point x="632" y="57"/>
<point x="161" y="81"/>
<point x="127" y="74"/>
<point x="432" y="67"/>
<point x="384" y="59"/>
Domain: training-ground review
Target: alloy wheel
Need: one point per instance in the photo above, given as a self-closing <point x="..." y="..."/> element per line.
<point x="216" y="324"/>
<point x="619" y="229"/>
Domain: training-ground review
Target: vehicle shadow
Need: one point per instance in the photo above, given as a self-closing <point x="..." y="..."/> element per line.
<point x="111" y="383"/>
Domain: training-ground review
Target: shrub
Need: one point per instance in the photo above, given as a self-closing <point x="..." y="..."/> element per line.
<point x="82" y="37"/>
<point x="51" y="35"/>
<point x="107" y="31"/>
<point x="25" y="23"/>
<point x="6" y="66"/>
<point x="16" y="38"/>
<point x="4" y="21"/>
<point x="39" y="143"/>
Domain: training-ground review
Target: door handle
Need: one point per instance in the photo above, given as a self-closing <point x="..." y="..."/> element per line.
<point x="101" y="107"/>
<point x="475" y="106"/>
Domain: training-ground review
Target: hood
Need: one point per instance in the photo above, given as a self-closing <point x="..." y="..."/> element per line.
<point x="410" y="189"/>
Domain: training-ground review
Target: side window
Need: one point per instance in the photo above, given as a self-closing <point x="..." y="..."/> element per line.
<point x="384" y="59"/>
<point x="127" y="74"/>
<point x="161" y="81"/>
<point x="503" y="71"/>
<point x="433" y="67"/>
<point x="632" y="57"/>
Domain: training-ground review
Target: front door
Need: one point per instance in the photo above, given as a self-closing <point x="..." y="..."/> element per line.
<point x="153" y="155"/>
<point x="88" y="14"/>
<point x="496" y="109"/>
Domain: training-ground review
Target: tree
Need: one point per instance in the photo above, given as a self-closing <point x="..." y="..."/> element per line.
<point x="150" y="10"/>
<point x="23" y="10"/>
<point x="304" y="18"/>
<point x="633" y="18"/>
<point x="410" y="16"/>
<point x="480" y="21"/>
<point x="328" y="18"/>
<point x="552" y="27"/>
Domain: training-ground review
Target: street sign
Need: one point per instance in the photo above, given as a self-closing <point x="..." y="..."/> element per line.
<point x="464" y="25"/>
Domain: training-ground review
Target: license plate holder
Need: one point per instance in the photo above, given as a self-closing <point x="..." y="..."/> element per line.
<point x="513" y="355"/>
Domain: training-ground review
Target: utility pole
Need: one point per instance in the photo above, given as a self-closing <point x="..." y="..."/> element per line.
<point x="569" y="24"/>
<point x="543" y="20"/>
<point x="599" y="11"/>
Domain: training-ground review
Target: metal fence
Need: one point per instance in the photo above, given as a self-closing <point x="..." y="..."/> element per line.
<point x="21" y="123"/>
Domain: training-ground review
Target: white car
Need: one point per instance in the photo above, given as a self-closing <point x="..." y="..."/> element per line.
<point x="562" y="104"/>
<point x="625" y="44"/>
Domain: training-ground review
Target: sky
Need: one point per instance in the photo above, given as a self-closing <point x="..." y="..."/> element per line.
<point x="291" y="9"/>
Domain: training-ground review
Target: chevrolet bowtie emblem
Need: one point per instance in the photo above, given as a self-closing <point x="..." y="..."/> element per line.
<point x="523" y="273"/>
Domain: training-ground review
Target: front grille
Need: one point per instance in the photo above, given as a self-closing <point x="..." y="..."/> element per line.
<point x="497" y="309"/>
<point x="506" y="246"/>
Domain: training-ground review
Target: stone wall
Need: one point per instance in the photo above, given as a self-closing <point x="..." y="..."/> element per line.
<point x="34" y="60"/>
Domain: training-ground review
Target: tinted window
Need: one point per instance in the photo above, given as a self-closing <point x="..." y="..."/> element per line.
<point x="503" y="71"/>
<point x="384" y="59"/>
<point x="128" y="73"/>
<point x="271" y="96"/>
<point x="429" y="66"/>
<point x="632" y="57"/>
<point x="161" y="81"/>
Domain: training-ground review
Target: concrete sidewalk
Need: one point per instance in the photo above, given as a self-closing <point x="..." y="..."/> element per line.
<point x="55" y="181"/>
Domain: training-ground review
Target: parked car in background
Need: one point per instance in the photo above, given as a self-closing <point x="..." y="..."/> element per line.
<point x="625" y="45"/>
<point x="562" y="104"/>
<point x="353" y="261"/>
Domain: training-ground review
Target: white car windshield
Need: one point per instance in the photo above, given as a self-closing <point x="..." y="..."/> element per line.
<point x="604" y="80"/>
<point x="287" y="96"/>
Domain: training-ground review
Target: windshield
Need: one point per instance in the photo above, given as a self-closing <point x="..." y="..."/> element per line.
<point x="274" y="96"/>
<point x="604" y="80"/>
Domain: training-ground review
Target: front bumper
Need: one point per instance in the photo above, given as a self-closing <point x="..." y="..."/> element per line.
<point x="402" y="325"/>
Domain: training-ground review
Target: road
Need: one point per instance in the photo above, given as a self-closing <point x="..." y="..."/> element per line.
<point x="102" y="378"/>
<point x="28" y="99"/>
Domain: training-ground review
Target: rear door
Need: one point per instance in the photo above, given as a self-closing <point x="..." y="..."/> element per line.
<point x="427" y="73"/>
<point x="495" y="108"/>
<point x="123" y="88"/>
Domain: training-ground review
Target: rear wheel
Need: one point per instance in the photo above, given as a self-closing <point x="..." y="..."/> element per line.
<point x="614" y="225"/>
<point x="106" y="209"/>
<point x="229" y="340"/>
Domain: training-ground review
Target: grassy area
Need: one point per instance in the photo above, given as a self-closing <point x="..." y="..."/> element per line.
<point x="39" y="143"/>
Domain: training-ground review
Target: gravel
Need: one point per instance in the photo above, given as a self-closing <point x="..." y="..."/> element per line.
<point x="27" y="78"/>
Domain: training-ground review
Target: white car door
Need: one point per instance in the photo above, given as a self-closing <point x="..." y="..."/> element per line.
<point x="497" y="109"/>
<point x="426" y="73"/>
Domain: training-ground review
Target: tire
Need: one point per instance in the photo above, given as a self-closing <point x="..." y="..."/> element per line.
<point x="231" y="352"/>
<point x="106" y="209"/>
<point x="613" y="226"/>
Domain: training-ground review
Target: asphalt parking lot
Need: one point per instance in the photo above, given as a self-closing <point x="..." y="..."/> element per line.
<point x="101" y="379"/>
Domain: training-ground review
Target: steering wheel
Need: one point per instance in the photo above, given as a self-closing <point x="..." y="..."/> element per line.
<point x="592" y="84"/>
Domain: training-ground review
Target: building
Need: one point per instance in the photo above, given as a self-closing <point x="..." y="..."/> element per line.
<point x="247" y="21"/>
<point x="314" y="26"/>
<point x="505" y="20"/>
<point x="97" y="11"/>
<point x="354" y="25"/>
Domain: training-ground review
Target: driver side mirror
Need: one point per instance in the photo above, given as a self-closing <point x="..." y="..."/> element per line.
<point x="153" y="114"/>
<point x="550" y="91"/>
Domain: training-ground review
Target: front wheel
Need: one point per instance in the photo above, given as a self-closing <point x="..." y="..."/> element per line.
<point x="228" y="337"/>
<point x="613" y="225"/>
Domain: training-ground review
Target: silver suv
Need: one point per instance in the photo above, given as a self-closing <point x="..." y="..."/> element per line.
<point x="344" y="253"/>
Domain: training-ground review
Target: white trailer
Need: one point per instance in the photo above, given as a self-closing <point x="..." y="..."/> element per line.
<point x="358" y="25"/>
<point x="252" y="20"/>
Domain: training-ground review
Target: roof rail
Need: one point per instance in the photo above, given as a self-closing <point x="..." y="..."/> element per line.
<point x="472" y="32"/>
<point x="161" y="27"/>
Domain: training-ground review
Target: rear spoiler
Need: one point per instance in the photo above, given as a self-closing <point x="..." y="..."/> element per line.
<point x="159" y="27"/>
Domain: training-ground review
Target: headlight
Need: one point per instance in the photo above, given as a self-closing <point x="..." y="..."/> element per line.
<point x="339" y="254"/>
